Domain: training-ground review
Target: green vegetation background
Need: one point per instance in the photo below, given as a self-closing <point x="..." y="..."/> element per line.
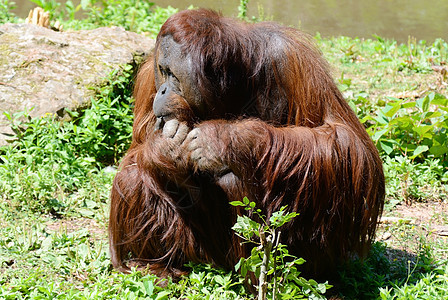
<point x="55" y="177"/>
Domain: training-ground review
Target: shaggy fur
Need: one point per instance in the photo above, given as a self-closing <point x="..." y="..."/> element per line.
<point x="275" y="118"/>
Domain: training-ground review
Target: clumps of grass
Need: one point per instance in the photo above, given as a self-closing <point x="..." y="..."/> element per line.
<point x="414" y="56"/>
<point x="133" y="15"/>
<point x="432" y="285"/>
<point x="49" y="162"/>
<point x="6" y="14"/>
<point x="411" y="135"/>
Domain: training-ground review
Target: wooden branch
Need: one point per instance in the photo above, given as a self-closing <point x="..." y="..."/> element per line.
<point x="266" y="245"/>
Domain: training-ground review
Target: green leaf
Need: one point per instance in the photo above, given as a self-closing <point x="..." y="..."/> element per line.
<point x="420" y="149"/>
<point x="245" y="226"/>
<point x="401" y="122"/>
<point x="432" y="114"/>
<point x="438" y="150"/>
<point x="366" y="118"/>
<point x="238" y="264"/>
<point x="390" y="111"/>
<point x="423" y="103"/>
<point x="321" y="288"/>
<point x="219" y="279"/>
<point x="379" y="134"/>
<point x="387" y="147"/>
<point x="440" y="101"/>
<point x="162" y="295"/>
<point x="408" y="147"/>
<point x="381" y="119"/>
<point x="237" y="203"/>
<point x="86" y="212"/>
<point x="408" y="104"/>
<point x="90" y="204"/>
<point x="423" y="129"/>
<point x="29" y="160"/>
<point x="149" y="287"/>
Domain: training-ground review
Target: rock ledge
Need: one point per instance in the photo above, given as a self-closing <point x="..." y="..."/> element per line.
<point x="47" y="71"/>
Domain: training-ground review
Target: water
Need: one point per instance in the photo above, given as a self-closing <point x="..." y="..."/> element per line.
<point x="397" y="19"/>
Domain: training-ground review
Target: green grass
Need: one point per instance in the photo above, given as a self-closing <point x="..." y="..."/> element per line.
<point x="55" y="177"/>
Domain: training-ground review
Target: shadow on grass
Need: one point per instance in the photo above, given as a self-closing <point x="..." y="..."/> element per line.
<point x="385" y="267"/>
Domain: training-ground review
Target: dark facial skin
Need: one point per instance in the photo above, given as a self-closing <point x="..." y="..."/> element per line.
<point x="177" y="102"/>
<point x="173" y="76"/>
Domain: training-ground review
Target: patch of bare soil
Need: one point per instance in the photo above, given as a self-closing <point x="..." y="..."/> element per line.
<point x="407" y="230"/>
<point x="432" y="215"/>
<point x="96" y="230"/>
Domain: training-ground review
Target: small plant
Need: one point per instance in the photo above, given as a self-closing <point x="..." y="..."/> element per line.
<point x="211" y="283"/>
<point x="48" y="159"/>
<point x="412" y="137"/>
<point x="270" y="259"/>
<point x="412" y="128"/>
<point x="6" y="14"/>
<point x="134" y="15"/>
<point x="409" y="180"/>
<point x="242" y="9"/>
<point x="52" y="6"/>
<point x="432" y="285"/>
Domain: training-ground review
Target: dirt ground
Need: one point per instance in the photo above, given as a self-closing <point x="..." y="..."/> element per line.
<point x="407" y="230"/>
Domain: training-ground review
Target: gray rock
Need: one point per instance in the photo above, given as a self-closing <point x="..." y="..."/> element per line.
<point x="47" y="71"/>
